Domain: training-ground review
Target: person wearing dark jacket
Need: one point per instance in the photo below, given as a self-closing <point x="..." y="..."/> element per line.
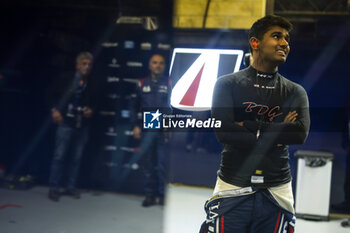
<point x="262" y="113"/>
<point x="72" y="108"/>
<point x="344" y="119"/>
<point x="153" y="93"/>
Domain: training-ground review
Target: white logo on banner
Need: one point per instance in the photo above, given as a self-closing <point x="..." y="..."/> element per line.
<point x="194" y="90"/>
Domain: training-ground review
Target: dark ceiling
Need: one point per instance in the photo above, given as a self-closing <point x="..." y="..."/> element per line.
<point x="126" y="7"/>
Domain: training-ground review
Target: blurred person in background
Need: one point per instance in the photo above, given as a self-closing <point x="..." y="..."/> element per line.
<point x="153" y="92"/>
<point x="344" y="207"/>
<point x="73" y="102"/>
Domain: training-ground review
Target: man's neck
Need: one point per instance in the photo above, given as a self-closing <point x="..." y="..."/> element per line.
<point x="155" y="77"/>
<point x="264" y="66"/>
<point x="81" y="79"/>
<point x="80" y="76"/>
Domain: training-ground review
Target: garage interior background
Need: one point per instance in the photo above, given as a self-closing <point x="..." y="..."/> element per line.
<point x="39" y="40"/>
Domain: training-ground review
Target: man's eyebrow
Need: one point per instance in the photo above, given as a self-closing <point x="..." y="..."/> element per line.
<point x="280" y="33"/>
<point x="277" y="32"/>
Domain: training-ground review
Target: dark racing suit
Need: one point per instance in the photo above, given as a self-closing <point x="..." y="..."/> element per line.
<point x="255" y="155"/>
<point x="153" y="95"/>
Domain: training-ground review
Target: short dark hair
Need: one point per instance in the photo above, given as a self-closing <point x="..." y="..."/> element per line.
<point x="83" y="55"/>
<point x="261" y="26"/>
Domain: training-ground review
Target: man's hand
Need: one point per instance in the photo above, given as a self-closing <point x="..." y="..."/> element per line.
<point x="57" y="117"/>
<point x="291" y="116"/>
<point x="88" y="112"/>
<point x="240" y="123"/>
<point x="137" y="132"/>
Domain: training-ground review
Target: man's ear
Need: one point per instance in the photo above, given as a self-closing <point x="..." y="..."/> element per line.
<point x="254" y="43"/>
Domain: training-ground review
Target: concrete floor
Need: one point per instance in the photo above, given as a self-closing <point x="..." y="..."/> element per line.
<point x="31" y="212"/>
<point x="103" y="212"/>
